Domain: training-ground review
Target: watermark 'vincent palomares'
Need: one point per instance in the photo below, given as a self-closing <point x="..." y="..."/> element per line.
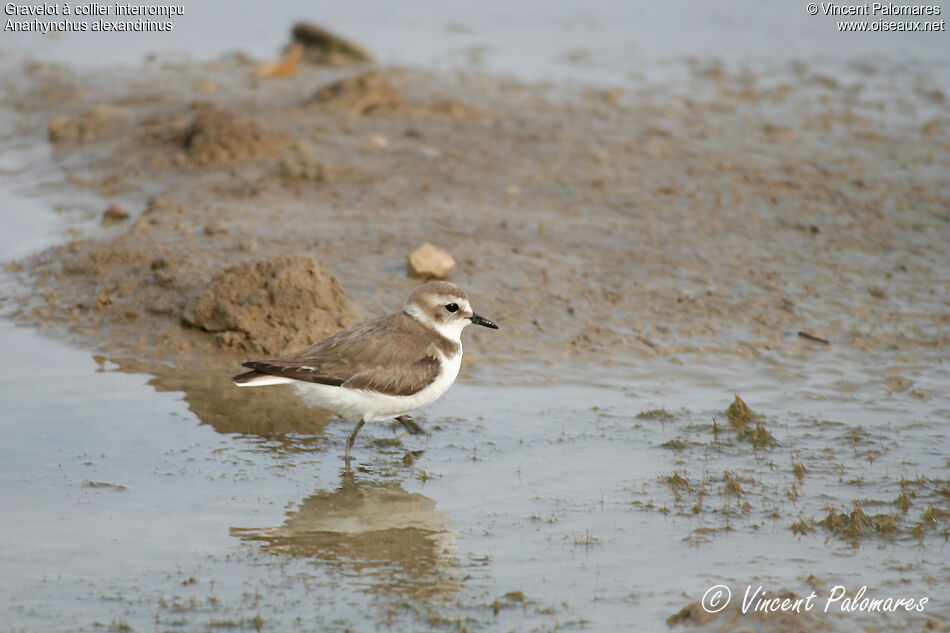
<point x="838" y="600"/>
<point x="873" y="8"/>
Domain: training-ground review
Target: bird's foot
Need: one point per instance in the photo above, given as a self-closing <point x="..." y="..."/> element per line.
<point x="410" y="425"/>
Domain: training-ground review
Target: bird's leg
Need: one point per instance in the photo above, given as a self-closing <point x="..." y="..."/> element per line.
<point x="350" y="440"/>
<point x="410" y="425"/>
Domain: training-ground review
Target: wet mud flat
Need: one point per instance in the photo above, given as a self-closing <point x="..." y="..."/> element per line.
<point x="641" y="223"/>
<point x="649" y="253"/>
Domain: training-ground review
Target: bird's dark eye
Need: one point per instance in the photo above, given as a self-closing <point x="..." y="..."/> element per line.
<point x="452" y="307"/>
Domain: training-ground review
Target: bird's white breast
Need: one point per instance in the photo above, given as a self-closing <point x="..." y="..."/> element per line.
<point x="372" y="406"/>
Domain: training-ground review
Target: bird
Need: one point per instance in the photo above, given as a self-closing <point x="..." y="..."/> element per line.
<point x="382" y="368"/>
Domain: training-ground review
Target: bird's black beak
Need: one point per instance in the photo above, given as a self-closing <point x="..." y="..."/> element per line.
<point x="480" y="320"/>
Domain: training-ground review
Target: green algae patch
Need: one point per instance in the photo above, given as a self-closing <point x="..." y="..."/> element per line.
<point x="857" y="524"/>
<point x="739" y="413"/>
<point x="655" y="414"/>
<point x="803" y="526"/>
<point x="748" y="425"/>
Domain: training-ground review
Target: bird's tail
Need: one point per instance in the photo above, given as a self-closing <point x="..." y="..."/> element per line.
<point x="258" y="379"/>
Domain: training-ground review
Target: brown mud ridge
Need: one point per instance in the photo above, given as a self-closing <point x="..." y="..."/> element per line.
<point x="266" y="213"/>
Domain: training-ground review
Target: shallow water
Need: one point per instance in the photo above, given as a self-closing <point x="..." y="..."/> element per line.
<point x="123" y="508"/>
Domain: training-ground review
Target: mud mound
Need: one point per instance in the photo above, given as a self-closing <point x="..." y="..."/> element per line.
<point x="271" y="306"/>
<point x="363" y="94"/>
<point x="94" y="124"/>
<point x="218" y="135"/>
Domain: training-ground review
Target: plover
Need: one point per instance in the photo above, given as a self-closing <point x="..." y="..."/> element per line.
<point x="383" y="368"/>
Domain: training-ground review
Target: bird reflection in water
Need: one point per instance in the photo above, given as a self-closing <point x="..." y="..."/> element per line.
<point x="394" y="541"/>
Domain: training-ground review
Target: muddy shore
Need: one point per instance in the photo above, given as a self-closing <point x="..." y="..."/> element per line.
<point x="594" y="225"/>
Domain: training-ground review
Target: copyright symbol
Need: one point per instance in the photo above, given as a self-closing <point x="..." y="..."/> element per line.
<point x="812" y="8"/>
<point x="716" y="599"/>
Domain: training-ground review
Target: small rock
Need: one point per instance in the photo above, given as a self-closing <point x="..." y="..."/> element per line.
<point x="430" y="261"/>
<point x="116" y="212"/>
<point x="250" y="247"/>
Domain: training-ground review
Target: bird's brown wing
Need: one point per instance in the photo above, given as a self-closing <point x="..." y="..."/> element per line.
<point x="390" y="355"/>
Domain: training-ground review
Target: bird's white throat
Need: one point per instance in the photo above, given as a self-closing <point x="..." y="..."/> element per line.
<point x="451" y="330"/>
